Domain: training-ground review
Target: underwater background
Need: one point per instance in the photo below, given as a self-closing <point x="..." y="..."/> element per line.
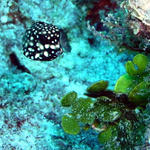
<point x="96" y="42"/>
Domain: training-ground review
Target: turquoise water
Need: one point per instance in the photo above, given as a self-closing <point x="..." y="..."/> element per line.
<point x="31" y="90"/>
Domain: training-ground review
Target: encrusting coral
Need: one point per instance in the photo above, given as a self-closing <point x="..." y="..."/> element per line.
<point x="116" y="115"/>
<point x="140" y="10"/>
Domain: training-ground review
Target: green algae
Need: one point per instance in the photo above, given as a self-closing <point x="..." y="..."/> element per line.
<point x="70" y="124"/>
<point x="137" y="66"/>
<point x="68" y="99"/>
<point x="134" y="83"/>
<point x="113" y="114"/>
<point x="107" y="135"/>
<point x="82" y="110"/>
<point x="124" y="84"/>
<point x="98" y="87"/>
<point x="140" y="94"/>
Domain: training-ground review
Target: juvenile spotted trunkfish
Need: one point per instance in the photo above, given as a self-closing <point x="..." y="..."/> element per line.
<point x="42" y="42"/>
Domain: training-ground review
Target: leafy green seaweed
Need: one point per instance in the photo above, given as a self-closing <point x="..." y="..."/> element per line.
<point x="134" y="83"/>
<point x="113" y="114"/>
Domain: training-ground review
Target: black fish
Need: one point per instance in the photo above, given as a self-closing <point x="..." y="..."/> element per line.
<point x="42" y="42"/>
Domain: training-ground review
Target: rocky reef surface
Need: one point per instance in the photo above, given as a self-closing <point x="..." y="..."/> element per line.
<point x="30" y="91"/>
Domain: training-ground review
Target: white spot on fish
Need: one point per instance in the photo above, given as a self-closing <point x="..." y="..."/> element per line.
<point x="37" y="55"/>
<point x="27" y="53"/>
<point x="31" y="38"/>
<point x="31" y="44"/>
<point x="41" y="47"/>
<point x="46" y="46"/>
<point x="30" y="49"/>
<point x="57" y="46"/>
<point x="44" y="32"/>
<point x="46" y="53"/>
<point x="52" y="46"/>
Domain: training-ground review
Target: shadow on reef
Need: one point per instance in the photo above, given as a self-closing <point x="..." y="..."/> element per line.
<point x="116" y="115"/>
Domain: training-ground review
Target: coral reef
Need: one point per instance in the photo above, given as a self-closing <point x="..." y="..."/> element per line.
<point x="125" y="23"/>
<point x="140" y="10"/>
<point x="93" y="14"/>
<point x="139" y="19"/>
<point x="31" y="90"/>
